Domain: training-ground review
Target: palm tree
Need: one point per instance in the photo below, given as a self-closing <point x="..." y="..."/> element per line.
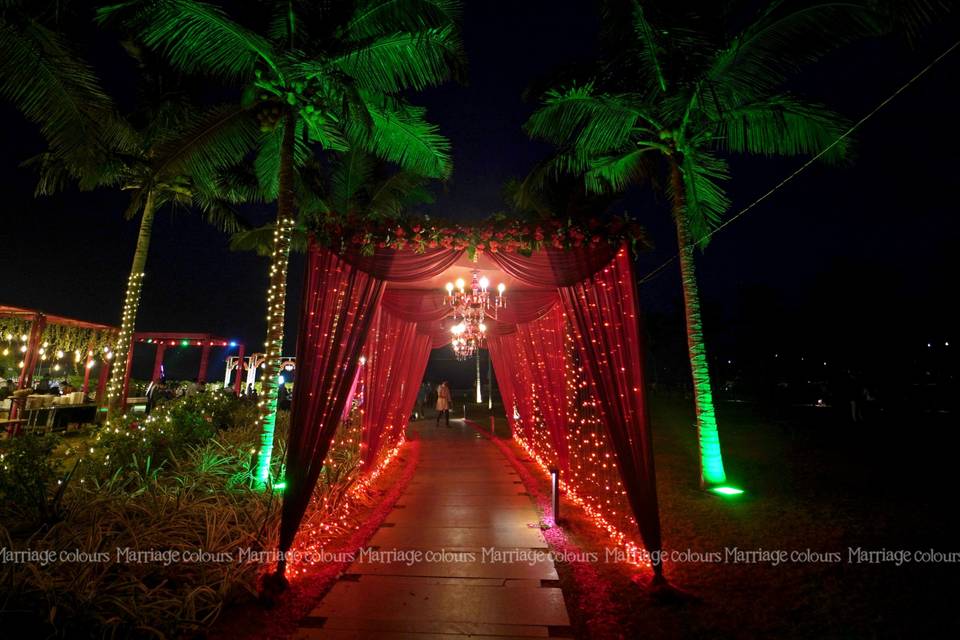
<point x="178" y="158"/>
<point x="173" y="158"/>
<point x="328" y="74"/>
<point x="675" y="99"/>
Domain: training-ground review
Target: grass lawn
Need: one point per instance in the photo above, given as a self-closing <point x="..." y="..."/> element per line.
<point x="813" y="482"/>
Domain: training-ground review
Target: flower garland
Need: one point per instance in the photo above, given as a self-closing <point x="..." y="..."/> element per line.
<point x="497" y="234"/>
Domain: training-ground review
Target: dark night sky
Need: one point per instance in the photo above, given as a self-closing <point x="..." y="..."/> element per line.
<point x="884" y="227"/>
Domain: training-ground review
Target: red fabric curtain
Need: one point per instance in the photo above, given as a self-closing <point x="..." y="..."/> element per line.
<point x="395" y="354"/>
<point x="596" y="286"/>
<point x="353" y="392"/>
<point x="554" y="267"/>
<point x="510" y="356"/>
<point x="604" y="315"/>
<point x="340" y="298"/>
<point x="542" y="342"/>
<point x="527" y="306"/>
<point x="404" y="266"/>
<point x="417" y="367"/>
<point x="339" y="304"/>
<point x="416" y="305"/>
<point x="506" y="380"/>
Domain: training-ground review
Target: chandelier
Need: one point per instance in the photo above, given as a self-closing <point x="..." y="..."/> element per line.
<point x="467" y="338"/>
<point x="471" y="309"/>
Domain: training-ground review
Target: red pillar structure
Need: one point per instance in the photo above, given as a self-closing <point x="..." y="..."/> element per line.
<point x="204" y="362"/>
<point x="102" y="381"/>
<point x="158" y="362"/>
<point x="238" y="382"/>
<point x="32" y="355"/>
<point x="87" y="366"/>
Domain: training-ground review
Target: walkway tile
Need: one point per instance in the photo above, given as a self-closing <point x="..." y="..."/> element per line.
<point x="460" y="555"/>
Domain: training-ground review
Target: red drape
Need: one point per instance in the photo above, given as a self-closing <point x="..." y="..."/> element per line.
<point x="338" y="307"/>
<point x="353" y="392"/>
<point x="604" y="315"/>
<point x="553" y="267"/>
<point x="506" y="380"/>
<point x="416" y="305"/>
<point x="339" y="303"/>
<point x="395" y="354"/>
<point x="527" y="306"/>
<point x="404" y="266"/>
<point x="417" y="367"/>
<point x="542" y="342"/>
<point x="514" y="359"/>
<point x="596" y="285"/>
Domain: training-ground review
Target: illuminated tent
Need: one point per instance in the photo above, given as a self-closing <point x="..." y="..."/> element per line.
<point x="62" y="334"/>
<point x="386" y="304"/>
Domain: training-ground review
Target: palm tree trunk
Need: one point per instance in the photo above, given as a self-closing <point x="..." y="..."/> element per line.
<point x="711" y="460"/>
<point x="131" y="303"/>
<point x="276" y="300"/>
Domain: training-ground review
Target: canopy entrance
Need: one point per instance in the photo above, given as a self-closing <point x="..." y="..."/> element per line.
<point x="387" y="310"/>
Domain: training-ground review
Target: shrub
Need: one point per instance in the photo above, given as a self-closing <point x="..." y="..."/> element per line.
<point x="30" y="493"/>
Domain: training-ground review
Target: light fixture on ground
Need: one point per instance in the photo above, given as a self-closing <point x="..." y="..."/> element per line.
<point x="726" y="491"/>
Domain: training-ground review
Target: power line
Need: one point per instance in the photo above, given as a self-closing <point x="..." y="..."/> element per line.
<point x="806" y="164"/>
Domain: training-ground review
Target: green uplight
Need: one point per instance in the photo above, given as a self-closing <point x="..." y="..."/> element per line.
<point x="280" y="486"/>
<point x="184" y="343"/>
<point x="726" y="491"/>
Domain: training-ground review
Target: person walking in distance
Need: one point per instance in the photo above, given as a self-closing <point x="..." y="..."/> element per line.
<point x="444" y="399"/>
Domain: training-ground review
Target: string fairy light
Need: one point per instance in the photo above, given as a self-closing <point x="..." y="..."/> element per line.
<point x="592" y="481"/>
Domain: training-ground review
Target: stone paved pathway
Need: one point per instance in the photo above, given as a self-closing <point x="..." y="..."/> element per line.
<point x="464" y="497"/>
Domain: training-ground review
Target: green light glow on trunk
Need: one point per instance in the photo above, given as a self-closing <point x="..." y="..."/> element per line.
<point x="276" y="304"/>
<point x="711" y="459"/>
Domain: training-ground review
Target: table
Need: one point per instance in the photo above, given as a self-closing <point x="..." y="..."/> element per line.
<point x="55" y="417"/>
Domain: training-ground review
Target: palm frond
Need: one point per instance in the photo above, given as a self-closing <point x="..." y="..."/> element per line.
<point x="397" y="193"/>
<point x="196" y="37"/>
<point x="399" y="61"/>
<point x="207" y="143"/>
<point x="616" y="173"/>
<point x="706" y="200"/>
<point x="267" y="161"/>
<point x="135" y="206"/>
<point x="351" y="174"/>
<point x="649" y="47"/>
<point x="238" y="184"/>
<point x="911" y="17"/>
<point x="402" y="135"/>
<point x="56" y="90"/>
<point x="260" y="240"/>
<point x="217" y="211"/>
<point x="325" y="131"/>
<point x="589" y="121"/>
<point x="783" y="126"/>
<point x="375" y="18"/>
<point x="783" y="41"/>
<point x="283" y="23"/>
